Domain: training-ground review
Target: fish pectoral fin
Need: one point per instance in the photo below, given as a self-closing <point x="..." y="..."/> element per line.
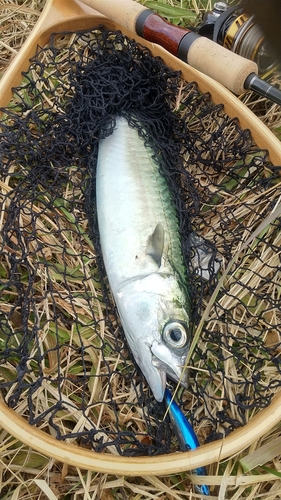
<point x="155" y="244"/>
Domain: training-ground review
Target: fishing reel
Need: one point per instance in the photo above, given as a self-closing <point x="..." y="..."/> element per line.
<point x="235" y="30"/>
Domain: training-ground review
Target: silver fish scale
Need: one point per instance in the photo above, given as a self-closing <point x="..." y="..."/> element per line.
<point x="133" y="201"/>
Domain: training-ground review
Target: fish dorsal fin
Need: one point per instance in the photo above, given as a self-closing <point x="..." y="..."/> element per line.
<point x="155" y="244"/>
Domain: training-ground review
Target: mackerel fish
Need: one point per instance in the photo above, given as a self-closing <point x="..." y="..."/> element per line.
<point x="140" y="242"/>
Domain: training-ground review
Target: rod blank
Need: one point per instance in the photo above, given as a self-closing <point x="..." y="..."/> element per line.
<point x="253" y="82"/>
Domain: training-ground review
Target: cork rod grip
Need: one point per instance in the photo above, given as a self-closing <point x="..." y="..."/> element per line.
<point x="201" y="53"/>
<point x="123" y="12"/>
<point x="220" y="64"/>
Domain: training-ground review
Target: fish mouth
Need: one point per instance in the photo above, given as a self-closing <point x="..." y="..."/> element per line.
<point x="156" y="379"/>
<point x="178" y="374"/>
<point x="171" y="364"/>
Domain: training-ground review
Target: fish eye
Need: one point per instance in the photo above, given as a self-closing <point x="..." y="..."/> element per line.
<point x="174" y="334"/>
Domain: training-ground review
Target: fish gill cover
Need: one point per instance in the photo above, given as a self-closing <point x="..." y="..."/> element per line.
<point x="63" y="357"/>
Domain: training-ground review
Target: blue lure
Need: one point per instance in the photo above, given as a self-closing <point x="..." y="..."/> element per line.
<point x="185" y="434"/>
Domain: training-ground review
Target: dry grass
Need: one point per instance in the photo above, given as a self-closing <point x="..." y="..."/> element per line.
<point x="16" y="21"/>
<point x="25" y="474"/>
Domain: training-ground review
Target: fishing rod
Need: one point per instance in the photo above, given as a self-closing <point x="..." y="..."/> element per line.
<point x="231" y="70"/>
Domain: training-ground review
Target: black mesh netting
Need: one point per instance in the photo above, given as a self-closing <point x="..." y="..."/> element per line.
<point x="63" y="362"/>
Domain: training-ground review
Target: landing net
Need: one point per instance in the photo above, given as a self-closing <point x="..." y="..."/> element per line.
<point x="64" y="362"/>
